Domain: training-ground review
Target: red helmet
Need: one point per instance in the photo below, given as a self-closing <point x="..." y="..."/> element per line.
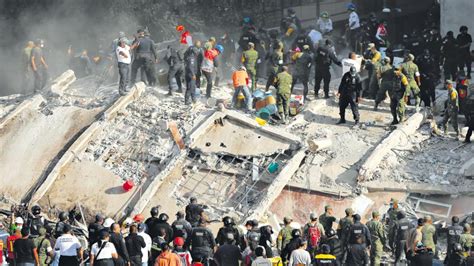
<point x="180" y="28"/>
<point x="138" y="218"/>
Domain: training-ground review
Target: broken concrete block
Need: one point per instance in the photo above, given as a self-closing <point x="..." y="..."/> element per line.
<point x="319" y="144"/>
<point x="61" y="83"/>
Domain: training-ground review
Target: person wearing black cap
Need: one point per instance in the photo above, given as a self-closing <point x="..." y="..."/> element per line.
<point x="103" y="252"/>
<point x="349" y="94"/>
<point x="116" y="238"/>
<point x="69" y="247"/>
<point x="163" y="224"/>
<point x="464" y="41"/>
<point x="229" y="228"/>
<point x="194" y="212"/>
<point x="152" y="221"/>
<point x="399" y="235"/>
<point x="134" y="244"/>
<point x="94" y="229"/>
<point x="324" y="57"/>
<point x="201" y="242"/>
<point x="228" y="253"/>
<point x="449" y="49"/>
<point x="145" y="57"/>
<point x="181" y="227"/>
<point x="325" y="257"/>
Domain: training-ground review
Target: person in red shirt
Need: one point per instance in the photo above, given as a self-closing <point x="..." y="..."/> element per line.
<point x="10" y="241"/>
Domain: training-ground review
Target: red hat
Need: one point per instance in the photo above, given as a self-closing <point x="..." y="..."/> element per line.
<point x="138" y="218"/>
<point x="178" y="242"/>
<point x="180" y="28"/>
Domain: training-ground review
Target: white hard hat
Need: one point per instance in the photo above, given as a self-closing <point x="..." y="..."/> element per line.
<point x="108" y="222"/>
<point x="19" y="220"/>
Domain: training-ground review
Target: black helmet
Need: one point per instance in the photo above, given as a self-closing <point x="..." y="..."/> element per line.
<point x="331" y="233"/>
<point x="163" y="217"/>
<point x="463" y="28"/>
<point x="401" y="215"/>
<point x="154" y="211"/>
<point x="36" y="210"/>
<point x="228" y="221"/>
<point x="291" y="11"/>
<point x="353" y="70"/>
<point x="295" y="233"/>
<point x="457" y="247"/>
<point x="99" y="217"/>
<point x="63" y="216"/>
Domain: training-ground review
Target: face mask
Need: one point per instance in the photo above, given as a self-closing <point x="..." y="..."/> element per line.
<point x="42" y="45"/>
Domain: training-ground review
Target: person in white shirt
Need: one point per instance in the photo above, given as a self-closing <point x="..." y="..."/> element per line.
<point x="147" y="249"/>
<point x="124" y="59"/>
<point x="354" y="25"/>
<point x="300" y="256"/>
<point x="324" y="23"/>
<point x="70" y="249"/>
<point x="261" y="260"/>
<point x="103" y="252"/>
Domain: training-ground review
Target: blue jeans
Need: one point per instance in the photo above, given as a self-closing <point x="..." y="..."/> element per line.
<point x="246" y="92"/>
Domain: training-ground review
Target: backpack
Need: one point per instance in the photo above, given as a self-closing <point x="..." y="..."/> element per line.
<point x="184" y="257"/>
<point x="314" y="235"/>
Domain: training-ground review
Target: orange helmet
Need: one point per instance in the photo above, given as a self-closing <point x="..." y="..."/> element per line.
<point x="180" y="28"/>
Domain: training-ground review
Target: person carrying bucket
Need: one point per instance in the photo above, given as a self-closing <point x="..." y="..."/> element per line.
<point x="240" y="80"/>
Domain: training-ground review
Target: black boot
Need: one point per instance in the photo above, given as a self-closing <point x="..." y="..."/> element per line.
<point x="394" y="122"/>
<point x="341" y="121"/>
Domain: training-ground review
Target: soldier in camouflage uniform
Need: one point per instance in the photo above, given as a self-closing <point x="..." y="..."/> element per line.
<point x="396" y="93"/>
<point x="412" y="73"/>
<point x="327" y="218"/>
<point x="283" y="83"/>
<point x="383" y="74"/>
<point x="429" y="234"/>
<point x="452" y="108"/>
<point x="378" y="237"/>
<point x="250" y="60"/>
<point x="275" y="61"/>
<point x="284" y="237"/>
<point x="466" y="240"/>
<point x="344" y="224"/>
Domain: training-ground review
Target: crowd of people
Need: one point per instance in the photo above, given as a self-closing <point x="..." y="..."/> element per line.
<point x="188" y="240"/>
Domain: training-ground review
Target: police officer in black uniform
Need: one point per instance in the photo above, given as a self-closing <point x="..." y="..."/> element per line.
<point x="181" y="227"/>
<point x="358" y="241"/>
<point x="333" y="241"/>
<point x="427" y="67"/>
<point x="453" y="236"/>
<point x="303" y="68"/>
<point x="301" y="40"/>
<point x="58" y="231"/>
<point x="163" y="223"/>
<point x="151" y="222"/>
<point x="294" y="243"/>
<point x="202" y="244"/>
<point x="324" y="57"/>
<point x="349" y="94"/>
<point x="449" y="55"/>
<point x="229" y="228"/>
<point x="36" y="222"/>
<point x="94" y="229"/>
<point x="266" y="240"/>
<point x="145" y="56"/>
<point x="194" y="212"/>
<point x="399" y="235"/>
<point x="175" y="59"/>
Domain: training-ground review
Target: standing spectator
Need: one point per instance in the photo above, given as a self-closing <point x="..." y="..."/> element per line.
<point x="117" y="239"/>
<point x="167" y="258"/>
<point x="25" y="250"/>
<point x="39" y="66"/>
<point x="10" y="243"/>
<point x="103" y="252"/>
<point x="124" y="59"/>
<point x="147" y="249"/>
<point x="261" y="260"/>
<point x="300" y="256"/>
<point x="182" y="253"/>
<point x="70" y="249"/>
<point x="135" y="243"/>
<point x="43" y="245"/>
<point x="228" y="254"/>
<point x="354" y="25"/>
<point x="464" y="40"/>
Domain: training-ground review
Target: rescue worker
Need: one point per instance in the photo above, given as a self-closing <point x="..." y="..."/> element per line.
<point x="202" y="244"/>
<point x="250" y="61"/>
<point x="411" y="71"/>
<point x="325" y="257"/>
<point x="26" y="64"/>
<point x="252" y="238"/>
<point x="429" y="236"/>
<point x="466" y="239"/>
<point x="449" y="55"/>
<point x="337" y="248"/>
<point x="359" y="240"/>
<point x="324" y="23"/>
<point x="266" y="239"/>
<point x="470" y="123"/>
<point x="397" y="105"/>
<point x="58" y="231"/>
<point x="303" y="62"/>
<point x="228" y="253"/>
<point x="229" y="228"/>
<point x="283" y="83"/>
<point x="453" y="235"/>
<point x="349" y="93"/>
<point x="209" y="64"/>
<point x="284" y="236"/>
<point x="293" y="245"/>
<point x="373" y="57"/>
<point x="191" y="71"/>
<point x="194" y="212"/>
<point x="39" y="66"/>
<point x="313" y="232"/>
<point x="36" y="222"/>
<point x="456" y="257"/>
<point x="415" y="236"/>
<point x="292" y="18"/>
<point x="452" y="108"/>
<point x="275" y="62"/>
<point x="240" y="80"/>
<point x="464" y="41"/>
<point x="163" y="223"/>
<point x="427" y="66"/>
<point x="94" y="229"/>
<point x="384" y="74"/>
<point x="398" y="236"/>
<point x="354" y="25"/>
<point x="324" y="57"/>
<point x="378" y="238"/>
<point x="181" y="227"/>
<point x="151" y="228"/>
<point x="301" y="41"/>
<point x="43" y="244"/>
<point x="327" y="218"/>
<point x="175" y="59"/>
<point x="145" y="57"/>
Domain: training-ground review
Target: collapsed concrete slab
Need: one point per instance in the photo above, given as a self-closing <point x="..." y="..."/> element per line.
<point x="61" y="83"/>
<point x="27" y="104"/>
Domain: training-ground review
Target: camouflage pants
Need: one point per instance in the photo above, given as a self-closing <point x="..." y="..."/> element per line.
<point x="413" y="88"/>
<point x="397" y="107"/>
<point x="283" y="103"/>
<point x="376" y="250"/>
<point x="450" y="115"/>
